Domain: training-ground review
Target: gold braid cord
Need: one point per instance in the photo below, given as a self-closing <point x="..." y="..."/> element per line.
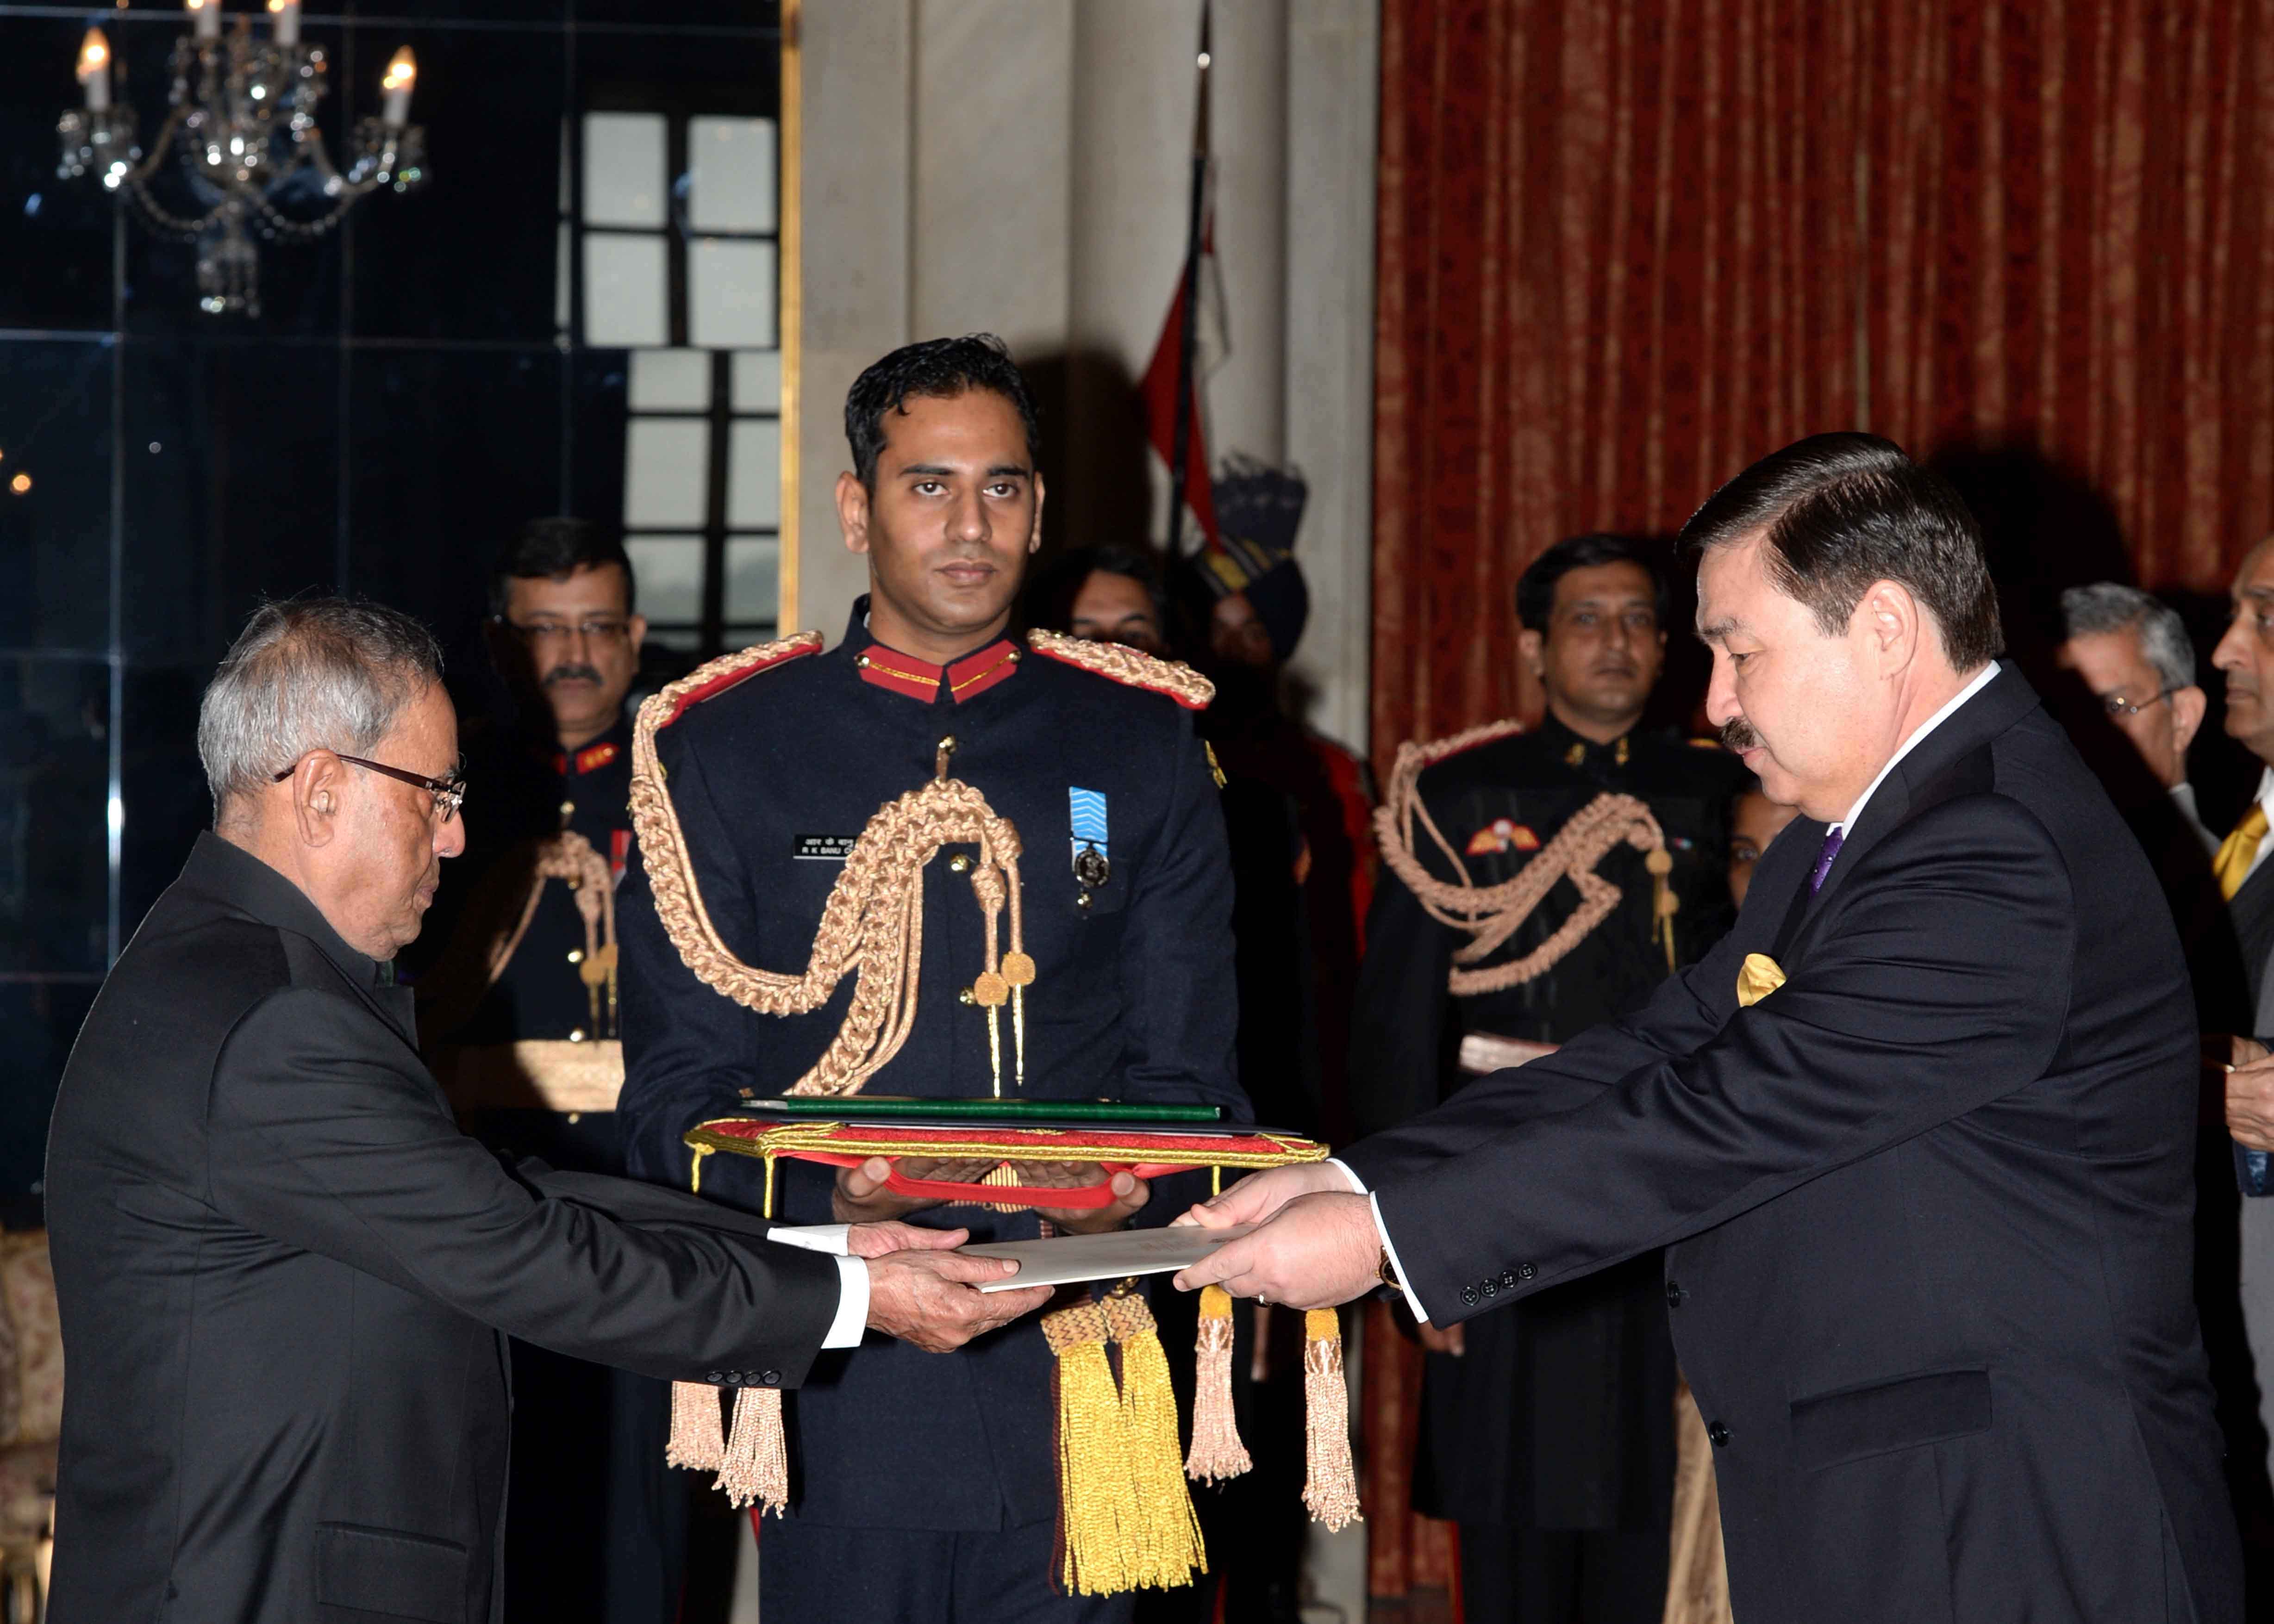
<point x="1490" y="914"/>
<point x="872" y="925"/>
<point x="1128" y="666"/>
<point x="568" y="856"/>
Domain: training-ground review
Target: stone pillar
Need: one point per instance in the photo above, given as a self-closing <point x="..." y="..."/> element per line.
<point x="857" y="66"/>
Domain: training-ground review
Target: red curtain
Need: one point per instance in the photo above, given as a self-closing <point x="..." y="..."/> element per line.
<point x="1625" y="248"/>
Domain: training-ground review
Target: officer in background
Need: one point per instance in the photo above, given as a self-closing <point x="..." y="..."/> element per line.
<point x="925" y="1489"/>
<point x="519" y="1020"/>
<point x="1547" y="1432"/>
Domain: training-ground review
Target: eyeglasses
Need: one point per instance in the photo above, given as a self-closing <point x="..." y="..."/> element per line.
<point x="557" y="634"/>
<point x="2116" y="704"/>
<point x="449" y="793"/>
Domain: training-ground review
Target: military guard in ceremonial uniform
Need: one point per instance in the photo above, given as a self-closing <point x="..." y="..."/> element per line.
<point x="519" y="1018"/>
<point x="1548" y="1433"/>
<point x="924" y="1487"/>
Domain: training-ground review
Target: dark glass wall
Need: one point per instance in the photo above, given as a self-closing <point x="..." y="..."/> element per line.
<point x="407" y="398"/>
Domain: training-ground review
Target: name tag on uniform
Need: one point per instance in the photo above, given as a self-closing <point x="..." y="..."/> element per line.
<point x="823" y="848"/>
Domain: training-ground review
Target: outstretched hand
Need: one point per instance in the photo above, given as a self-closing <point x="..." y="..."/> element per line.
<point x="1257" y="1196"/>
<point x="927" y="1298"/>
<point x="1316" y="1252"/>
<point x="877" y="1240"/>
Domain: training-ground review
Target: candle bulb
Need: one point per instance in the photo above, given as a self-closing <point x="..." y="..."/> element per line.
<point x="287" y="16"/>
<point x="401" y="73"/>
<point x="94" y="70"/>
<point x="207" y="15"/>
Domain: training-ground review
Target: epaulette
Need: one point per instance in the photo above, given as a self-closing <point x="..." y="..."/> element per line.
<point x="713" y="678"/>
<point x="1127" y="667"/>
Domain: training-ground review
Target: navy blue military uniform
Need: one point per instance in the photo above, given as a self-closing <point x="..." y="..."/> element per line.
<point x="1557" y="1423"/>
<point x="772" y="780"/>
<point x="590" y="1534"/>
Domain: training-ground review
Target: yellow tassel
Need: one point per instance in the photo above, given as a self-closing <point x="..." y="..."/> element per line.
<point x="1170" y="1548"/>
<point x="1331" y="1492"/>
<point x="755" y="1466"/>
<point x="697" y="1439"/>
<point x="1097" y="1510"/>
<point x="1217" y="1453"/>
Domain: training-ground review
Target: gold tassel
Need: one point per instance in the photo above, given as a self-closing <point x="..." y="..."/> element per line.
<point x="1216" y="1454"/>
<point x="697" y="1439"/>
<point x="1169" y="1545"/>
<point x="1097" y="1495"/>
<point x="1331" y="1492"/>
<point x="755" y="1466"/>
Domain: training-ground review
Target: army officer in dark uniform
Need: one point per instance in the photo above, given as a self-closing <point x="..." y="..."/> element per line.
<point x="925" y="1488"/>
<point x="519" y="1022"/>
<point x="1547" y="1432"/>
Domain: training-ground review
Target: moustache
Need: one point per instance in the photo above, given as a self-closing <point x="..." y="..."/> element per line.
<point x="1737" y="734"/>
<point x="571" y="673"/>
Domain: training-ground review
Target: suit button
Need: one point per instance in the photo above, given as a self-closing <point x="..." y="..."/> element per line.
<point x="1525" y="1271"/>
<point x="576" y="954"/>
<point x="1720" y="1434"/>
<point x="770" y="1378"/>
<point x="1469" y="1296"/>
<point x="1490" y="1287"/>
<point x="716" y="1378"/>
<point x="1507" y="1281"/>
<point x="1674" y="1294"/>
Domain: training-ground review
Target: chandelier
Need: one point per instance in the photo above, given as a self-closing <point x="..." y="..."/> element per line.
<point x="241" y="130"/>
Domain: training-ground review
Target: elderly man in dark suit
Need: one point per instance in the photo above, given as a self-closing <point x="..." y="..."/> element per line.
<point x="285" y="1276"/>
<point x="1918" y="1134"/>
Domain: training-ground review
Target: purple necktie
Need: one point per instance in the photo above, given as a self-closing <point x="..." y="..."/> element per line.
<point x="1824" y="860"/>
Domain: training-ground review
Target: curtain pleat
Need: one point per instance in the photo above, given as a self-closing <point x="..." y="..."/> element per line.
<point x="1625" y="248"/>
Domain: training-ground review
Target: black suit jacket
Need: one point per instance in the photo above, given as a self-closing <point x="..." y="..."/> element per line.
<point x="283" y="1273"/>
<point x="1928" y="1204"/>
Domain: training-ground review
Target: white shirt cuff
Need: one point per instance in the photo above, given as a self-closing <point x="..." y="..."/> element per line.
<point x="852" y="1276"/>
<point x="1374" y="1206"/>
<point x="852" y="1305"/>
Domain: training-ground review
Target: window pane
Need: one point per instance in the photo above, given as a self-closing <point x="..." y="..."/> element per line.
<point x="730" y="294"/>
<point x="730" y="165"/>
<point x="757" y="380"/>
<point x="669" y="569"/>
<point x="671" y="381"/>
<point x="754" y="475"/>
<point x="666" y="472"/>
<point x="686" y="639"/>
<point x="753" y="577"/>
<point x="625" y="305"/>
<point x="623" y="170"/>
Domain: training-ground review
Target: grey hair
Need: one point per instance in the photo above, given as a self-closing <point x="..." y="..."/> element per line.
<point x="2107" y="607"/>
<point x="308" y="673"/>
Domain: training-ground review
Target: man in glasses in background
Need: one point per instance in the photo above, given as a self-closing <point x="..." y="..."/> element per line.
<point x="2133" y="710"/>
<point x="518" y="1018"/>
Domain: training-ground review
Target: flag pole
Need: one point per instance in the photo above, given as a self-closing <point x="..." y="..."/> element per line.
<point x="1180" y="446"/>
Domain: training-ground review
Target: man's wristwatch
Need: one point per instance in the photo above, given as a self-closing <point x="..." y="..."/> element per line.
<point x="1387" y="1272"/>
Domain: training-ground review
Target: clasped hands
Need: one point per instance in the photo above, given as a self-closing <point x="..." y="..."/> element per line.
<point x="920" y="1290"/>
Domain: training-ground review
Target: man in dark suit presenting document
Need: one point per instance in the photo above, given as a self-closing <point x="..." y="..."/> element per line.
<point x="1918" y="1134"/>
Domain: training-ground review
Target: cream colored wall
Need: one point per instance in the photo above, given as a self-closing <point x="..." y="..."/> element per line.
<point x="1020" y="167"/>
